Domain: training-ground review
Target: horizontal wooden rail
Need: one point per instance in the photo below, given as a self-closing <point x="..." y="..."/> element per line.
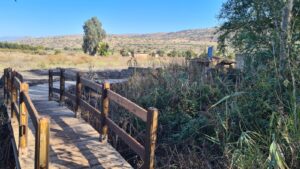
<point x="16" y="109"/>
<point x="88" y="107"/>
<point x="31" y="109"/>
<point x="127" y="104"/>
<point x="17" y="83"/>
<point x="70" y="75"/>
<point x="130" y="141"/>
<point x="14" y="147"/>
<point x="14" y="89"/>
<point x="150" y="116"/>
<point x="92" y="85"/>
<point x="55" y="73"/>
<point x="19" y="76"/>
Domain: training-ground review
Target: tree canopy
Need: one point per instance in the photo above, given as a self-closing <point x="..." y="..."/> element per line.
<point x="93" y="34"/>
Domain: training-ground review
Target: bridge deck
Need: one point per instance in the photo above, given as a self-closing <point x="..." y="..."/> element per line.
<point x="73" y="142"/>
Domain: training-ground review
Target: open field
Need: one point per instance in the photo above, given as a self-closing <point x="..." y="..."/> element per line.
<point x="195" y="39"/>
<point x="21" y="60"/>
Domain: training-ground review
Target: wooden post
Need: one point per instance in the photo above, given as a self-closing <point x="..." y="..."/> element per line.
<point x="9" y="72"/>
<point x="104" y="112"/>
<point x="78" y="95"/>
<point x="50" y="84"/>
<point x="150" y="141"/>
<point x="42" y="144"/>
<point x="23" y="126"/>
<point x="13" y="93"/>
<point x="62" y="87"/>
<point x="5" y="84"/>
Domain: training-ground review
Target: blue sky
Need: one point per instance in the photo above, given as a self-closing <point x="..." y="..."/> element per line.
<point x="60" y="17"/>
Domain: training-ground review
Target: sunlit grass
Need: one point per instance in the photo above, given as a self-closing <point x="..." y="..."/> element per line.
<point x="23" y="60"/>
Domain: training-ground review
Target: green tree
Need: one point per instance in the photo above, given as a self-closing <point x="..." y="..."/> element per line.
<point x="93" y="34"/>
<point x="103" y="49"/>
<point x="266" y="33"/>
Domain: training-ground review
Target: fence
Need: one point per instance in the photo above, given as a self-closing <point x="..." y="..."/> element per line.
<point x="17" y="99"/>
<point x="150" y="116"/>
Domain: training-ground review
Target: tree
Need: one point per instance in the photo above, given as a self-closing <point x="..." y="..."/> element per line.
<point x="260" y="29"/>
<point x="267" y="33"/>
<point x="93" y="34"/>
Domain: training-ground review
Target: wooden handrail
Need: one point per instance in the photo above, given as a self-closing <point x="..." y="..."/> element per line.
<point x="92" y="85"/>
<point x="127" y="104"/>
<point x="150" y="116"/>
<point x="15" y="88"/>
<point x="31" y="109"/>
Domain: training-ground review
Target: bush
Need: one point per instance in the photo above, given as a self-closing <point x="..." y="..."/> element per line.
<point x="103" y="49"/>
<point x="125" y="52"/>
<point x="57" y="52"/>
<point x="240" y="123"/>
<point x="7" y="45"/>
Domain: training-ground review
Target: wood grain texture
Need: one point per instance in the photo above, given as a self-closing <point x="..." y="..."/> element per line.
<point x="73" y="142"/>
<point x="127" y="104"/>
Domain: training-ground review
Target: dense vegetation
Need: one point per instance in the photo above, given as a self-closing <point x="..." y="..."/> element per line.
<point x="7" y="45"/>
<point x="232" y="119"/>
<point x="93" y="35"/>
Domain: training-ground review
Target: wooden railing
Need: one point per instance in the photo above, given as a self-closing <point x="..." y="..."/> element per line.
<point x="150" y="116"/>
<point x="19" y="102"/>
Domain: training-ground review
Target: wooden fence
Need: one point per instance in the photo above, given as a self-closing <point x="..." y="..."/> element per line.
<point x="150" y="116"/>
<point x="18" y="101"/>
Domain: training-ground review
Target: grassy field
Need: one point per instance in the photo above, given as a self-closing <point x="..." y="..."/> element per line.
<point x="27" y="60"/>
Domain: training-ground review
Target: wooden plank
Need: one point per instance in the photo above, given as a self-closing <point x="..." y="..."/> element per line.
<point x="92" y="85"/>
<point x="42" y="144"/>
<point x="23" y="129"/>
<point x="88" y="107"/>
<point x="19" y="76"/>
<point x="34" y="115"/>
<point x="62" y="86"/>
<point x="17" y="83"/>
<point x="70" y="75"/>
<point x="14" y="146"/>
<point x="74" y="143"/>
<point x="16" y="110"/>
<point x="150" y="141"/>
<point x="13" y="92"/>
<point x="104" y="112"/>
<point x="56" y="73"/>
<point x="127" y="104"/>
<point x="130" y="141"/>
<point x="50" y="85"/>
<point x="78" y="95"/>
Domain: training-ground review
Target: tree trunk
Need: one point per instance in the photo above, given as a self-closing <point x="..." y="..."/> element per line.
<point x="285" y="33"/>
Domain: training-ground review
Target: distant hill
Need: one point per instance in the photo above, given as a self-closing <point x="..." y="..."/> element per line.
<point x="195" y="39"/>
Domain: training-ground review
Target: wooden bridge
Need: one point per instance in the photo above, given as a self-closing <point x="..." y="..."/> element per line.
<point x="49" y="135"/>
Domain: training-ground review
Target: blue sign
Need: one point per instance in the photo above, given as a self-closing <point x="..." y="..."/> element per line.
<point x="210" y="52"/>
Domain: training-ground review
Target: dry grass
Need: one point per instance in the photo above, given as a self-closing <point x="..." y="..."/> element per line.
<point x="21" y="60"/>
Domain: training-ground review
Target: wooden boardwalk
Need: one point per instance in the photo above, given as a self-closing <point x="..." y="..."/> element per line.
<point x="74" y="143"/>
<point x="49" y="135"/>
